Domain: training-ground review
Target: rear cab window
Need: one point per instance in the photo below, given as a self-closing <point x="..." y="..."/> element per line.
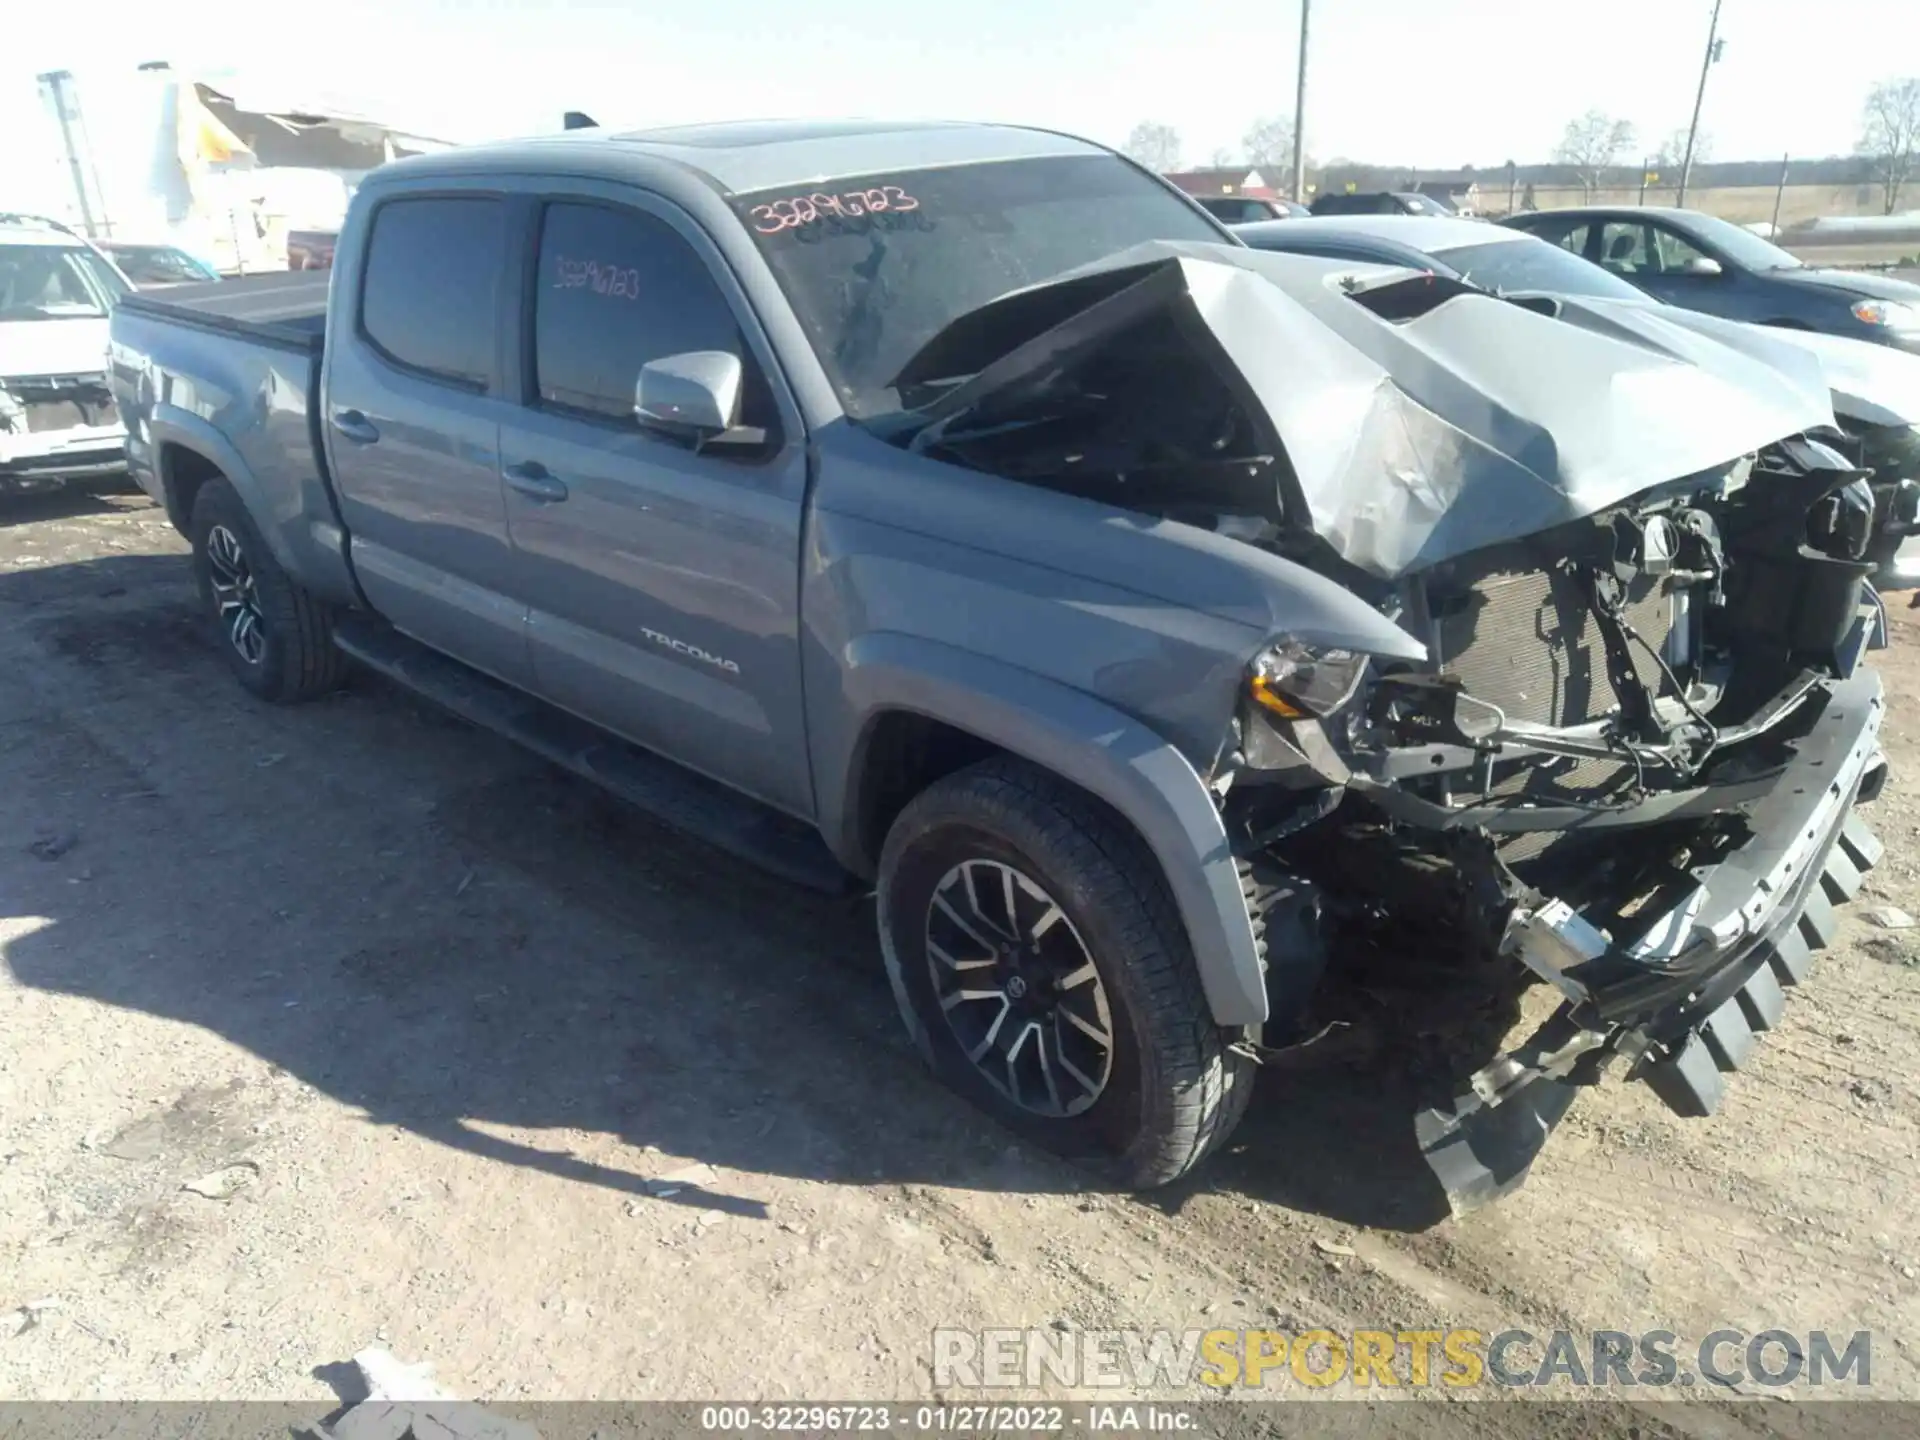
<point x="429" y="288"/>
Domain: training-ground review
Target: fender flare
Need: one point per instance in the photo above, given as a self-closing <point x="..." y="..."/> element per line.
<point x="1085" y="742"/>
<point x="169" y="425"/>
<point x="311" y="549"/>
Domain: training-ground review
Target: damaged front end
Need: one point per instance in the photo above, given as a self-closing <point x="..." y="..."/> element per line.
<point x="1631" y="767"/>
<point x="1638" y="566"/>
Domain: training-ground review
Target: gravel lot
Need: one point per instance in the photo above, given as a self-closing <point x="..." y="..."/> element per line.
<point x="425" y="1017"/>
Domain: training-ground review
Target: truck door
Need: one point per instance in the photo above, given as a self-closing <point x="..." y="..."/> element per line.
<point x="413" y="406"/>
<point x="662" y="578"/>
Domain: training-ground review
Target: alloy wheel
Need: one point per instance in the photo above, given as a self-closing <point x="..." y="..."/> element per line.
<point x="1019" y="989"/>
<point x="235" y="595"/>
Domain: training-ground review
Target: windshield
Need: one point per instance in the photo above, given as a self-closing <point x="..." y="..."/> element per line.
<point x="1740" y="245"/>
<point x="55" y="282"/>
<point x="160" y="265"/>
<point x="875" y="266"/>
<point x="1511" y="266"/>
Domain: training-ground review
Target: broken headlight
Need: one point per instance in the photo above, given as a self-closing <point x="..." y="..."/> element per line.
<point x="1887" y="314"/>
<point x="1296" y="681"/>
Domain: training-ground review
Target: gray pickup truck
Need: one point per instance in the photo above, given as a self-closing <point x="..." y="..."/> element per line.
<point x="958" y="511"/>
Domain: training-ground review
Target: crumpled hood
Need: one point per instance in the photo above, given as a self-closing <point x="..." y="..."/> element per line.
<point x="75" y="346"/>
<point x="1415" y="441"/>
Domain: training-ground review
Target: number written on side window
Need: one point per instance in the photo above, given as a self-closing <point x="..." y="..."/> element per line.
<point x="617" y="289"/>
<point x="427" y="300"/>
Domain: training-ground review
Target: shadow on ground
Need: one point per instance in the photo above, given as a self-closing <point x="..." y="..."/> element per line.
<point x="423" y="922"/>
<point x="64" y="502"/>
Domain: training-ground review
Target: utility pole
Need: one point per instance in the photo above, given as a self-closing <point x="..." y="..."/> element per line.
<point x="57" y="87"/>
<point x="1714" y="47"/>
<point x="1300" y="112"/>
<point x="1779" y="194"/>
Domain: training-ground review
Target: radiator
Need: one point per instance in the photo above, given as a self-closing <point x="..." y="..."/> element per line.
<point x="1527" y="642"/>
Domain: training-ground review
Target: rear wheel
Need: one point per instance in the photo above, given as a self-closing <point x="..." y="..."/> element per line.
<point x="275" y="637"/>
<point x="1043" y="971"/>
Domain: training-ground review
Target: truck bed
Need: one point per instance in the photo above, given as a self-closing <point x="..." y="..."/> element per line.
<point x="287" y="308"/>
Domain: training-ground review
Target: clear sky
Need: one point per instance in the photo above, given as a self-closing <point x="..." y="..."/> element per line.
<point x="1425" y="83"/>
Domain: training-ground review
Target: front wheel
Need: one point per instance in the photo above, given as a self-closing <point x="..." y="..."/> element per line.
<point x="1043" y="971"/>
<point x="275" y="637"/>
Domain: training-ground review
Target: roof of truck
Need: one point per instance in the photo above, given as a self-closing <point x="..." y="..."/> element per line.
<point x="744" y="156"/>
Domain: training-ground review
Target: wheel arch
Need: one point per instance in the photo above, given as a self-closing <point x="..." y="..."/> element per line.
<point x="900" y="691"/>
<point x="189" y="450"/>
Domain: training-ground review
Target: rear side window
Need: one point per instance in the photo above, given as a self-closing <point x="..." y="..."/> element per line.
<point x="616" y="289"/>
<point x="427" y="299"/>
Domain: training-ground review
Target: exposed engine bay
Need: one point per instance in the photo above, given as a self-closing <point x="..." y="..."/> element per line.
<point x="1605" y="768"/>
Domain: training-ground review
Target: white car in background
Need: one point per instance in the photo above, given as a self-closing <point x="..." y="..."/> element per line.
<point x="57" y="417"/>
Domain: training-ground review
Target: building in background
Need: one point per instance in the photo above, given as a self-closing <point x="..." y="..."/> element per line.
<point x="1226" y="180"/>
<point x="222" y="172"/>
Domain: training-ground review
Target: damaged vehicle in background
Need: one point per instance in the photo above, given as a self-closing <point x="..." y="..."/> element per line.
<point x="1875" y="389"/>
<point x="58" y="421"/>
<point x="1151" y="622"/>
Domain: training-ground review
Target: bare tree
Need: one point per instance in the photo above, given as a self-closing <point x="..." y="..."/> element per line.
<point x="1593" y="145"/>
<point x="1672" y="153"/>
<point x="1222" y="158"/>
<point x="1155" y="146"/>
<point x="1269" y="143"/>
<point x="1890" y="135"/>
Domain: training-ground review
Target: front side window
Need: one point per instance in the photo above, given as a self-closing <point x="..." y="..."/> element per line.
<point x="428" y="295"/>
<point x="1674" y="252"/>
<point x="875" y="266"/>
<point x="616" y="289"/>
<point x="1623" y="247"/>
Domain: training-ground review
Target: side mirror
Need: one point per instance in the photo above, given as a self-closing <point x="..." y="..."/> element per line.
<point x="692" y="396"/>
<point x="1702" y="266"/>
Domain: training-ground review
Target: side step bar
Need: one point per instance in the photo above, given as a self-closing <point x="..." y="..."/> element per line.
<point x="701" y="807"/>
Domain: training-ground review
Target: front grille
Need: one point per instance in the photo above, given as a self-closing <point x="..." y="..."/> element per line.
<point x="59" y="402"/>
<point x="1527" y="642"/>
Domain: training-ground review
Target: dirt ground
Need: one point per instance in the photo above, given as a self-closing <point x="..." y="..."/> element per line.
<point x="425" y="1016"/>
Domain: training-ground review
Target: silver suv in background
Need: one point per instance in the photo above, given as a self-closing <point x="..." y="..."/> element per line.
<point x="58" y="421"/>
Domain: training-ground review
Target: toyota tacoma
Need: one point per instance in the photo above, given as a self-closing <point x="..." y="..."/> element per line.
<point x="958" y="511"/>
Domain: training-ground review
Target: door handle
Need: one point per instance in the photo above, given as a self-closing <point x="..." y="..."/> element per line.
<point x="536" y="482"/>
<point x="355" y="426"/>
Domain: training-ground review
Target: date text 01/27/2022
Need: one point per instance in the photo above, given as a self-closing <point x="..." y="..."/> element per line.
<point x="961" y="1419"/>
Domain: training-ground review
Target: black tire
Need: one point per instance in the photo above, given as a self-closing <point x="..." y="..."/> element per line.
<point x="1175" y="1089"/>
<point x="294" y="657"/>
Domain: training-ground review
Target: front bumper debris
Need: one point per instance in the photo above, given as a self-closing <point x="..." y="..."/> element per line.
<point x="1685" y="1004"/>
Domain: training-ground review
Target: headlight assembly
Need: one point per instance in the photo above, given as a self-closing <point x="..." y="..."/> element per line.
<point x="1887" y="314"/>
<point x="1296" y="681"/>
